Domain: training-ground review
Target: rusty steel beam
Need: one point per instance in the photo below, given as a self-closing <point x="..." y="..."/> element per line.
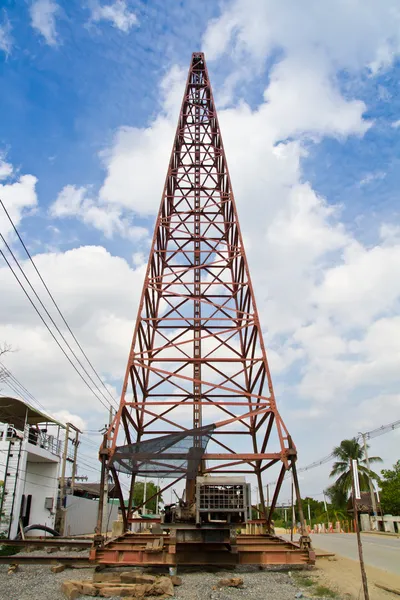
<point x="68" y="560"/>
<point x="49" y="542"/>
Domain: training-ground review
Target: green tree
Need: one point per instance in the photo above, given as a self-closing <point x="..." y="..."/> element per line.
<point x="348" y="450"/>
<point x="390" y="490"/>
<point x="337" y="497"/>
<point x="317" y="509"/>
<point x="138" y="495"/>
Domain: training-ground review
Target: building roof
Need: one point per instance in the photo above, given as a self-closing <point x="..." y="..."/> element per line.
<point x="18" y="413"/>
<point x="92" y="488"/>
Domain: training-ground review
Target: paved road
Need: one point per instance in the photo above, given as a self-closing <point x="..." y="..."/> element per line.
<point x="382" y="552"/>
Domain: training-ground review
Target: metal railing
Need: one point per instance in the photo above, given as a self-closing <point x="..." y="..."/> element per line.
<point x="48" y="442"/>
<point x="33" y="436"/>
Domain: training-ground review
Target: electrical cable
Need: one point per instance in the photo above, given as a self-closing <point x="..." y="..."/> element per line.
<point x="90" y="466"/>
<point x="368" y="434"/>
<point x="10" y="375"/>
<point x="16" y="386"/>
<point x="50" y="317"/>
<point x="54" y="301"/>
<point x="50" y="331"/>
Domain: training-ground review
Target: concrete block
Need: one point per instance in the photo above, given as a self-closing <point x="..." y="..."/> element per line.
<point x="117" y="528"/>
<point x="57" y="568"/>
<point x="129" y="591"/>
<point x="88" y="589"/>
<point x="70" y="590"/>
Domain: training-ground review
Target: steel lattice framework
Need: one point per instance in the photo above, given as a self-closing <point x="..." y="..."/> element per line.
<point x="197" y="355"/>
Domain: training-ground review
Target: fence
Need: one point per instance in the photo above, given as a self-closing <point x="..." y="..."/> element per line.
<point x="81" y="515"/>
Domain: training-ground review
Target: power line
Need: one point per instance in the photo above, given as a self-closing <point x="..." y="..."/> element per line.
<point x="51" y="332"/>
<point x="21" y="388"/>
<point x="55" y="304"/>
<point x="48" y="314"/>
<point x="17" y="386"/>
<point x="369" y="435"/>
<point x="381" y="430"/>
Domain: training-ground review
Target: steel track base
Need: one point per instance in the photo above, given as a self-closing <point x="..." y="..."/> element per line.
<point x="165" y="549"/>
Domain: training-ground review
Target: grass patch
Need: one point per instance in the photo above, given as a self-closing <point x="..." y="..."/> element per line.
<point x="306" y="581"/>
<point x="8" y="550"/>
<point x="322" y="590"/>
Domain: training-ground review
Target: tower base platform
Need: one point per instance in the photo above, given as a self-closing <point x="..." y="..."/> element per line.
<point x="200" y="547"/>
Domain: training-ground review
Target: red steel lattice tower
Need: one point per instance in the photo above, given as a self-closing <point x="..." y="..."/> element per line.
<point x="197" y="356"/>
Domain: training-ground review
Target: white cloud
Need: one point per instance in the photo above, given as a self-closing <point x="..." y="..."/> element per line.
<point x="76" y="202"/>
<point x="6" y="41"/>
<point x="302" y="99"/>
<point x="370" y="177"/>
<point x="362" y="286"/>
<point x="18" y="194"/>
<point x="117" y="14"/>
<point x="6" y="169"/>
<point x="64" y="416"/>
<point x="396" y="124"/>
<point x="137" y="162"/>
<point x="349" y="35"/>
<point x="43" y="19"/>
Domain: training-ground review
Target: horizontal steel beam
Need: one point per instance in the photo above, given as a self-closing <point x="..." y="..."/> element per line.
<point x="16" y="559"/>
<point x="56" y="541"/>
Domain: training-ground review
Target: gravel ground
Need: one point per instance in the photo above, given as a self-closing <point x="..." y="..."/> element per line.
<point x="37" y="582"/>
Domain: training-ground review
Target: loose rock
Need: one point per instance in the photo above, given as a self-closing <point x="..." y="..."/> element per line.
<point x="163" y="586"/>
<point x="57" y="568"/>
<point x="12" y="569"/>
<point x="176" y="580"/>
<point x="232" y="582"/>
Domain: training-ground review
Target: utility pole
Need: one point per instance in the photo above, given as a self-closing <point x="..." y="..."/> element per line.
<point x="293" y="512"/>
<point x="62" y="482"/>
<point x="98" y="537"/>
<point x="326" y="509"/>
<point x="75" y="443"/>
<point x="65" y="459"/>
<point x="105" y="484"/>
<point x="357" y="495"/>
<point x="144" y="511"/>
<point x="371" y="488"/>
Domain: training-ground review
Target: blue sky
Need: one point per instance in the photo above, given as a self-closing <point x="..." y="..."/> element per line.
<point x="310" y="113"/>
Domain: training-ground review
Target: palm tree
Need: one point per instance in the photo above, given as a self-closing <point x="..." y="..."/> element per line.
<point x="348" y="450"/>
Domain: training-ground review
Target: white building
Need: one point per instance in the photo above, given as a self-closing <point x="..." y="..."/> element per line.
<point x="30" y="456"/>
